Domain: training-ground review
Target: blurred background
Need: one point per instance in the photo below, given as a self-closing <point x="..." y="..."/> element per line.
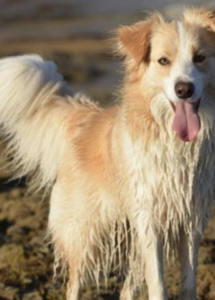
<point x="75" y="34"/>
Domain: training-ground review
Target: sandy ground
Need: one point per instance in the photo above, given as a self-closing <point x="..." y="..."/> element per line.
<point x="26" y="259"/>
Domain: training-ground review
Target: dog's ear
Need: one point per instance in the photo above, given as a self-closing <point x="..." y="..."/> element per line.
<point x="210" y="18"/>
<point x="134" y="41"/>
<point x="201" y="16"/>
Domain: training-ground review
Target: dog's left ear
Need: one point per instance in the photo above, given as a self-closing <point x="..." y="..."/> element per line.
<point x="202" y="16"/>
<point x="210" y="19"/>
<point x="134" y="41"/>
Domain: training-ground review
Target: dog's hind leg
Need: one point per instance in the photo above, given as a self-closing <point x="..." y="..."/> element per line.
<point x="188" y="255"/>
<point x="66" y="236"/>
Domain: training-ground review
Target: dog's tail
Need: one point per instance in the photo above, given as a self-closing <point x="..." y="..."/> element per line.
<point x="33" y="115"/>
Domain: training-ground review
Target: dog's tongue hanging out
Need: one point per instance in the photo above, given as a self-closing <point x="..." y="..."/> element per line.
<point x="186" y="122"/>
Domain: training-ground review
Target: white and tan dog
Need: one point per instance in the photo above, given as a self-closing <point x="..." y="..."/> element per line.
<point x="132" y="181"/>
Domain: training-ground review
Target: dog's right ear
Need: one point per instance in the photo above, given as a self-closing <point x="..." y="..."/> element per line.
<point x="134" y="41"/>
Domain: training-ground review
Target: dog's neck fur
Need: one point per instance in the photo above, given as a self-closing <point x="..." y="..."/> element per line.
<point x="136" y="108"/>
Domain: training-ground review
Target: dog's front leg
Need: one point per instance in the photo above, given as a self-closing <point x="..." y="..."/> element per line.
<point x="153" y="257"/>
<point x="73" y="289"/>
<point x="188" y="255"/>
<point x="128" y="290"/>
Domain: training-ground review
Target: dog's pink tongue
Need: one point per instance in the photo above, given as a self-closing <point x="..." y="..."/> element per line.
<point x="186" y="121"/>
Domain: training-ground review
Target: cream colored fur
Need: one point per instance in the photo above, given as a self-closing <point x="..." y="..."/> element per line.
<point x="30" y="89"/>
<point x="126" y="187"/>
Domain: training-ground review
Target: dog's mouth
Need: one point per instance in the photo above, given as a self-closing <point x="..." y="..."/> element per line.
<point x="186" y="121"/>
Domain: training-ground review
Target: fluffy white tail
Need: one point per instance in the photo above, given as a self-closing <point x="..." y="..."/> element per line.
<point x="33" y="115"/>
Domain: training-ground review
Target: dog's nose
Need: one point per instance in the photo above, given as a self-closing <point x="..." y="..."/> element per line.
<point x="184" y="90"/>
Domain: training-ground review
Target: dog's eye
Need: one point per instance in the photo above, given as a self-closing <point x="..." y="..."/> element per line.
<point x="163" y="61"/>
<point x="198" y="58"/>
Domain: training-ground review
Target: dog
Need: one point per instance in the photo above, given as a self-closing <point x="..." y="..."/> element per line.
<point x="131" y="182"/>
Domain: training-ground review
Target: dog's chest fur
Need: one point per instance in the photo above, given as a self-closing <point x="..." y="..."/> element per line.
<point x="172" y="182"/>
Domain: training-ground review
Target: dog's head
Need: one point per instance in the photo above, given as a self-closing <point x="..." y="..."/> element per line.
<point x="177" y="62"/>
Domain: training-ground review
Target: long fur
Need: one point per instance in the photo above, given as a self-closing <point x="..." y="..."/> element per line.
<point x="30" y="94"/>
